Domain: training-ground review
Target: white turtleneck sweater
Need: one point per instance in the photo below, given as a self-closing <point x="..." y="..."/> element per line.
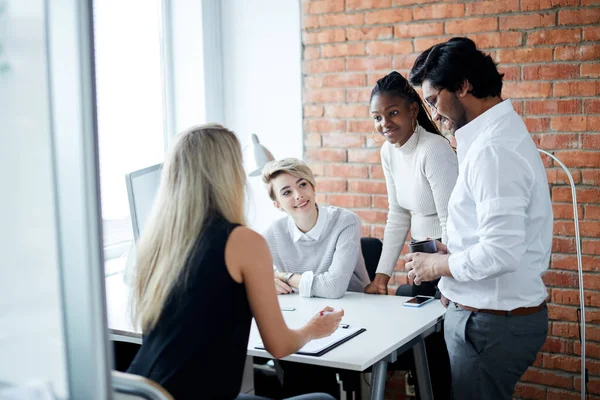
<point x="420" y="176"/>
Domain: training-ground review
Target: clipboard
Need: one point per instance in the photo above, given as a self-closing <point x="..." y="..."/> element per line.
<point x="318" y="347"/>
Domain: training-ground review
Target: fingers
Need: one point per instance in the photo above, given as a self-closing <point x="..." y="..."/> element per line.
<point x="282" y="287"/>
<point x="326" y="309"/>
<point x="409" y="257"/>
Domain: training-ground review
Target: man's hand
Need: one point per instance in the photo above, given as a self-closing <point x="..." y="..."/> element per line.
<point x="425" y="267"/>
<point x="379" y="285"/>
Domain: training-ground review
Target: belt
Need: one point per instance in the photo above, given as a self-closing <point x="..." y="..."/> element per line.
<point x="517" y="312"/>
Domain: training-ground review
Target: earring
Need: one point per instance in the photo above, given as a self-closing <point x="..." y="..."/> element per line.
<point x="373" y="138"/>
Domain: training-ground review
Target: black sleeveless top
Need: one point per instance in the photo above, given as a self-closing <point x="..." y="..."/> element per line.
<point x="198" y="347"/>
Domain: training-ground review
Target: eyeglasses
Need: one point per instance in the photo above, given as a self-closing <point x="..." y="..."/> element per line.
<point x="433" y="105"/>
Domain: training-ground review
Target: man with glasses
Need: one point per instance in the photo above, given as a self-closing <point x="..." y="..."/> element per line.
<point x="499" y="225"/>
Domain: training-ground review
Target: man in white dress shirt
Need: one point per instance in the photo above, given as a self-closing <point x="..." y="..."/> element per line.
<point x="499" y="226"/>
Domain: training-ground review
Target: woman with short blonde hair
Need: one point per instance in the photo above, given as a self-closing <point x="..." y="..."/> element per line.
<point x="196" y="290"/>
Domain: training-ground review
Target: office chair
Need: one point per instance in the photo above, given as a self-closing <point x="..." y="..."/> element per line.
<point x="138" y="387"/>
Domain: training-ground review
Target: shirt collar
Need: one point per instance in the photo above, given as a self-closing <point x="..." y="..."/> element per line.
<point x="466" y="135"/>
<point x="315" y="232"/>
<point x="411" y="143"/>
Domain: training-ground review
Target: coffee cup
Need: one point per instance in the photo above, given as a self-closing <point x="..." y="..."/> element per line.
<point x="423" y="246"/>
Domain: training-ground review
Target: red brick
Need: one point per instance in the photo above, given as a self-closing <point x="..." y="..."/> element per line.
<point x="470" y="25"/>
<point x="536" y="124"/>
<point x="344" y="80"/>
<point x="364" y="156"/>
<point x="549" y="107"/>
<point x="324" y="126"/>
<point x="571" y="331"/>
<point x="554" y="36"/>
<point x="369" y="64"/>
<point x="310" y="22"/>
<point x="497" y="39"/>
<point x="346" y="111"/>
<point x="591" y="106"/>
<point x="569" y="262"/>
<point x="388" y="16"/>
<point x="439" y="11"/>
<point x="571" y="296"/>
<point x="347" y="171"/>
<point x="558" y="345"/>
<point x="327" y="65"/>
<point x="411" y="31"/>
<point x="365" y="230"/>
<point x="367" y="186"/>
<point x="565" y="211"/>
<point x="365" y="4"/>
<point x="395" y="47"/>
<point x="550" y="71"/>
<point x="548" y="378"/>
<point x="377" y="231"/>
<point x="591" y="33"/>
<point x="584" y="195"/>
<point x="524" y="390"/>
<point x="590" y="141"/>
<point x="562" y="362"/>
<point x="579" y="16"/>
<point x="327" y="36"/>
<point x="324" y="6"/>
<point x="524" y="55"/>
<point x="576" y="88"/>
<point x="343" y="140"/>
<point x="579" y="53"/>
<point x="533" y="5"/>
<point x="576" y="123"/>
<point x="311" y="52"/>
<point x="312" y="140"/>
<point x="558" y="176"/>
<point x="372" y="216"/>
<point x="560" y="313"/>
<point x="410" y="2"/>
<point x="313" y="82"/>
<point x="313" y="111"/>
<point x="511" y="74"/>
<point x="560" y="278"/>
<point x="349" y="200"/>
<point x="593" y="386"/>
<point x="343" y="50"/>
<point x="336" y="155"/>
<point x="592" y="212"/>
<point x="318" y="169"/>
<point x="527" y="21"/>
<point x="590" y="177"/>
<point x="491" y="7"/>
<point x="331" y="185"/>
<point x="359" y="96"/>
<point x="591" y="246"/>
<point x="559" y="141"/>
<point x="329" y="20"/>
<point x="562" y="245"/>
<point x="425" y="43"/>
<point x="376" y="172"/>
<point x="590" y="229"/>
<point x="380" y="202"/>
<point x="404" y="62"/>
<point x="590" y="2"/>
<point x="376" y="33"/>
<point x="590" y="70"/>
<point x="591" y="349"/>
<point x="527" y="89"/>
<point x="363" y="126"/>
<point x="321" y="199"/>
<point x="324" y="96"/>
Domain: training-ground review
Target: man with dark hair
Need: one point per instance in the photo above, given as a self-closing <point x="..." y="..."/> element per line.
<point x="499" y="225"/>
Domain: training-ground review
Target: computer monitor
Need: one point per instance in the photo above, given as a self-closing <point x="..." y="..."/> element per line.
<point x="142" y="186"/>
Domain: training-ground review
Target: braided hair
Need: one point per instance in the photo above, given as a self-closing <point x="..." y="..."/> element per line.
<point x="396" y="85"/>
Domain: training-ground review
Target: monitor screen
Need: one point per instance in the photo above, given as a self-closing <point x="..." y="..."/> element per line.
<point x="142" y="186"/>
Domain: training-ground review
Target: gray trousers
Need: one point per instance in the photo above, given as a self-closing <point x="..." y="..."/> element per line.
<point x="489" y="353"/>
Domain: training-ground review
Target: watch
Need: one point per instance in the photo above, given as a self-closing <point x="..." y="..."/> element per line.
<point x="288" y="276"/>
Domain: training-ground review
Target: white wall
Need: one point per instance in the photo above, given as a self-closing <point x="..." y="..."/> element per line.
<point x="262" y="79"/>
<point x="31" y="331"/>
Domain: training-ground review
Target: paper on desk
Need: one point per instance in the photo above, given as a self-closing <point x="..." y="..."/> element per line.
<point x="318" y="345"/>
<point x="32" y="391"/>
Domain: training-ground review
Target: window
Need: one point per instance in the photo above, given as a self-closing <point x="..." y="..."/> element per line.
<point x="131" y="120"/>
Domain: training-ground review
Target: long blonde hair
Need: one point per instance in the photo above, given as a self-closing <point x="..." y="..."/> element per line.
<point x="202" y="176"/>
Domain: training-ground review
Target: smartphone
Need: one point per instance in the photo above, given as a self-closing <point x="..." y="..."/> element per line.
<point x="418" y="301"/>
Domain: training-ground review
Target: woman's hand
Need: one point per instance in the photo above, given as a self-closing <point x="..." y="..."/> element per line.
<point x="281" y="287"/>
<point x="379" y="285"/>
<point x="324" y="323"/>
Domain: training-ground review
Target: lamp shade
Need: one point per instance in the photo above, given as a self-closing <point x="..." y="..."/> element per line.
<point x="256" y="156"/>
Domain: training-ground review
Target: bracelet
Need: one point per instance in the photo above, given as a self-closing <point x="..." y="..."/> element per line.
<point x="287" y="277"/>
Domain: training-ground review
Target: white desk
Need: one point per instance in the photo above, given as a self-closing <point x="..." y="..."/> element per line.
<point x="391" y="329"/>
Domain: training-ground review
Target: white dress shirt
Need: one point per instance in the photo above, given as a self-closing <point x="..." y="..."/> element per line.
<point x="499" y="216"/>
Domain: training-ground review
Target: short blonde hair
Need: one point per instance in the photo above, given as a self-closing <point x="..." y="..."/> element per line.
<point x="290" y="165"/>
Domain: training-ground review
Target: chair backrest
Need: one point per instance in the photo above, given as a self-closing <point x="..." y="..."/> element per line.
<point x="371" y="249"/>
<point x="137" y="387"/>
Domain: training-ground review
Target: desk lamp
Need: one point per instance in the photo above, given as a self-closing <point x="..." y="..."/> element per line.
<point x="256" y="156"/>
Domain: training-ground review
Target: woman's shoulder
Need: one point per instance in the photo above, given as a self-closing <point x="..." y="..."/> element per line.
<point x="277" y="227"/>
<point x="343" y="215"/>
<point x="434" y="144"/>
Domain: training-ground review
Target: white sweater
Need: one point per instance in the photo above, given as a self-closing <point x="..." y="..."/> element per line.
<point x="330" y="262"/>
<point x="420" y="176"/>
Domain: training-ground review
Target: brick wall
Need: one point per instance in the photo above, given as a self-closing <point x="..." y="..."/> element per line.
<point x="549" y="51"/>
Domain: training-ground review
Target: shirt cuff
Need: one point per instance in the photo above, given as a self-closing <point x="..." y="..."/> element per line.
<point x="305" y="285"/>
<point x="456" y="263"/>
